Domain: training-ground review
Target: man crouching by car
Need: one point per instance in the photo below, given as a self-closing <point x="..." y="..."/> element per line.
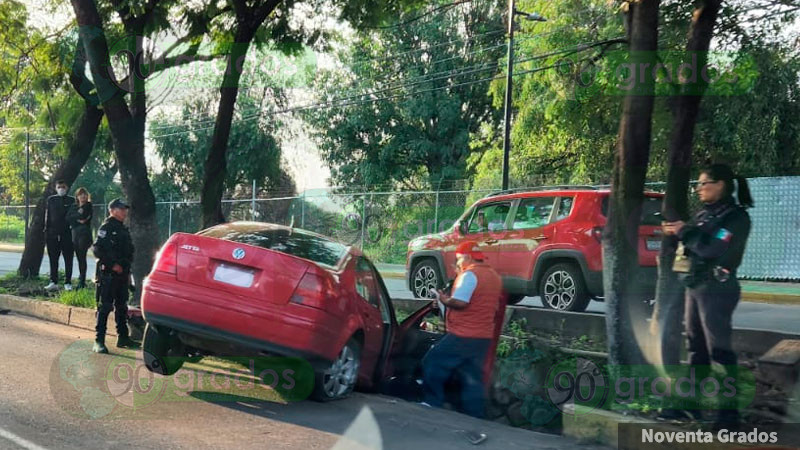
<point x="470" y="321"/>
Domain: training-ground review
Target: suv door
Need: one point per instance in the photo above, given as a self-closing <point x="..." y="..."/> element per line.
<point x="532" y="226"/>
<point x="488" y="226"/>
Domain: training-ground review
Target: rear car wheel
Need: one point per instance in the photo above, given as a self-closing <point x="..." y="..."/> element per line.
<point x="155" y="351"/>
<point x="425" y="279"/>
<point x="562" y="288"/>
<point x="339" y="379"/>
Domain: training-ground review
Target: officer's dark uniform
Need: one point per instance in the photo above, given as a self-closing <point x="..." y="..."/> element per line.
<point x="57" y="235"/>
<point x="81" y="235"/>
<point x="113" y="246"/>
<point x="715" y="241"/>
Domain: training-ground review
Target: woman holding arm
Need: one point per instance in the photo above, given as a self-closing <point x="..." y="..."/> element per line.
<point x="80" y="218"/>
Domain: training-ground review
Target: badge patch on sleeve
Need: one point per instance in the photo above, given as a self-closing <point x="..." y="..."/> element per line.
<point x="724" y="235"/>
<point x="101" y="233"/>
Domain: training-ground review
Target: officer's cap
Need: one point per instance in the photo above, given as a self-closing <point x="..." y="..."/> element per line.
<point x="118" y="203"/>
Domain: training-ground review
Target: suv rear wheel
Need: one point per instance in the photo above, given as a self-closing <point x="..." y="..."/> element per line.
<point x="562" y="288"/>
<point x="425" y="279"/>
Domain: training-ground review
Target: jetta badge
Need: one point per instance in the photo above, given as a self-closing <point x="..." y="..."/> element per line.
<point x="238" y="253"/>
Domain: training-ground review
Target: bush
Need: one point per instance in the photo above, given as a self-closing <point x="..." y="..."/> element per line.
<point x="12" y="229"/>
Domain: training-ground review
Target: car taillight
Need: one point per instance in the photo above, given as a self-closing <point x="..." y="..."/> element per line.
<point x="312" y="291"/>
<point x="597" y="233"/>
<point x="167" y="259"/>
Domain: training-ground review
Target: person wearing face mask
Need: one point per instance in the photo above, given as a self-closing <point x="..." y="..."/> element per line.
<point x="58" y="236"/>
<point x="711" y="248"/>
<point x="80" y="220"/>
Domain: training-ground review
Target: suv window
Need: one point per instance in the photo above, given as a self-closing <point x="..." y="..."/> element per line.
<point x="533" y="212"/>
<point x="490" y="217"/>
<point x="564" y="208"/>
<point x="650" y="207"/>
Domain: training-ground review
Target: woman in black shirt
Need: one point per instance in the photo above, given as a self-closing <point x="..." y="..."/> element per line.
<point x="80" y="219"/>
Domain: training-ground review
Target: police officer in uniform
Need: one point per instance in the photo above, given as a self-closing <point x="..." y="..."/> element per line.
<point x="114" y="251"/>
<point x="712" y="246"/>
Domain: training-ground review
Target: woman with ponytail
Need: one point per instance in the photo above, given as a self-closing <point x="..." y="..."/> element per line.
<point x="712" y="246"/>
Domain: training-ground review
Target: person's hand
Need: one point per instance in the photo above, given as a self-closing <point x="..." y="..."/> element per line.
<point x="672" y="228"/>
<point x="117" y="268"/>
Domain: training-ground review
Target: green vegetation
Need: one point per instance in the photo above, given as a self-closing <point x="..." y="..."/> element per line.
<point x="12" y="229"/>
<point x="13" y="284"/>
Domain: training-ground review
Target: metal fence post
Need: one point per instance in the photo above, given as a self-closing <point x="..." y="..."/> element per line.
<point x="253" y="206"/>
<point x="169" y="227"/>
<point x="436" y="214"/>
<point x="363" y="221"/>
<point x="303" y="210"/>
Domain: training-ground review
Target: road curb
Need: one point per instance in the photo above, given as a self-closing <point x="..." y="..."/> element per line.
<point x="12" y="248"/>
<point x="73" y="316"/>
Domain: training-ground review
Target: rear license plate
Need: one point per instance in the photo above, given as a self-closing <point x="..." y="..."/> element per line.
<point x="653" y="245"/>
<point x="232" y="275"/>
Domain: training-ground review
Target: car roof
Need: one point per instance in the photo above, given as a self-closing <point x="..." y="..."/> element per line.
<point x="604" y="191"/>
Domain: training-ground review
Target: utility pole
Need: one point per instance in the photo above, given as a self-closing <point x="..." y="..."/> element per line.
<point x="512" y="11"/>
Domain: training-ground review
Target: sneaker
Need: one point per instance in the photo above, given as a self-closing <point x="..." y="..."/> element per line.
<point x="81" y="285"/>
<point x="99" y="347"/>
<point x="67" y="287"/>
<point x="126" y="342"/>
<point x="51" y="287"/>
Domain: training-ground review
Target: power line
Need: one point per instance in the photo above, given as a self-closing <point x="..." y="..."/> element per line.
<point x="441" y="8"/>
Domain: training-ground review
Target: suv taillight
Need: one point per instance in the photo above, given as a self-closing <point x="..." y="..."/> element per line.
<point x="167" y="259"/>
<point x="312" y="291"/>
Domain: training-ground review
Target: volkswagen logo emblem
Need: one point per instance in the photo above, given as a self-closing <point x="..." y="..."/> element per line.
<point x="238" y="253"/>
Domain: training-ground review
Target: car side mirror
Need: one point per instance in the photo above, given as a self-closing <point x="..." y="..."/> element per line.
<point x="462" y="228"/>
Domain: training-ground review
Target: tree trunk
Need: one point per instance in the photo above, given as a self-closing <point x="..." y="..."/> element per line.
<point x="620" y="239"/>
<point x="248" y="20"/>
<point x="668" y="315"/>
<point x="215" y="168"/>
<point x="127" y="132"/>
<point x="79" y="153"/>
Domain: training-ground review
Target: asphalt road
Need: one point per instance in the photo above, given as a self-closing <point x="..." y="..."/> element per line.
<point x="9" y="262"/>
<point x="761" y="316"/>
<point x="50" y="398"/>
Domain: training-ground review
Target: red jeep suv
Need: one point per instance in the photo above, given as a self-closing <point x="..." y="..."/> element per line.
<point x="543" y="242"/>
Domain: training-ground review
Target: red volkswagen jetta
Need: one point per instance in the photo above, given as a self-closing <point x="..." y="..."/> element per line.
<point x="246" y="286"/>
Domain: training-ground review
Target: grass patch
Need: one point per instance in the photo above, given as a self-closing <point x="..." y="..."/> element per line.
<point x="34" y="288"/>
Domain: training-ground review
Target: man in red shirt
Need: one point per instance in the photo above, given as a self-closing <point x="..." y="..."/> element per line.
<point x="470" y="320"/>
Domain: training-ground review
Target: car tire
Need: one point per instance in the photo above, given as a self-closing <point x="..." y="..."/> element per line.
<point x="155" y="351"/>
<point x="513" y="299"/>
<point x="425" y="278"/>
<point x="562" y="288"/>
<point x="339" y="379"/>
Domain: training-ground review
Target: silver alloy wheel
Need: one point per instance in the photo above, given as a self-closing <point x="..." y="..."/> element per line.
<point x="559" y="290"/>
<point x="425" y="282"/>
<point x="341" y="376"/>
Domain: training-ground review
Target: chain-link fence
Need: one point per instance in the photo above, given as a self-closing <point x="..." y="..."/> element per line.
<point x="382" y="223"/>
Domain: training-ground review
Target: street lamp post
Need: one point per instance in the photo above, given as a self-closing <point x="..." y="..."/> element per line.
<point x="512" y="11"/>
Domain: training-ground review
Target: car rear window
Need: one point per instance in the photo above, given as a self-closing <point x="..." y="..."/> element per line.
<point x="650" y="207"/>
<point x="294" y="242"/>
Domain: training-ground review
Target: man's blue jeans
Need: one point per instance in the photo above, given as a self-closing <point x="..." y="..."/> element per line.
<point x="464" y="356"/>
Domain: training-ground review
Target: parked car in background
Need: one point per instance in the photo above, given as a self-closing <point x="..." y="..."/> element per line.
<point x="248" y="287"/>
<point x="543" y="242"/>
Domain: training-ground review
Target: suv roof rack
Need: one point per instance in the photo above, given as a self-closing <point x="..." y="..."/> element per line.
<point x="544" y="188"/>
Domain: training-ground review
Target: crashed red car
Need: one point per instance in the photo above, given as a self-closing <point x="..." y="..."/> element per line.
<point x="256" y="287"/>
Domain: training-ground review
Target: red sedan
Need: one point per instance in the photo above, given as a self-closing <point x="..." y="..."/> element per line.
<point x="277" y="290"/>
